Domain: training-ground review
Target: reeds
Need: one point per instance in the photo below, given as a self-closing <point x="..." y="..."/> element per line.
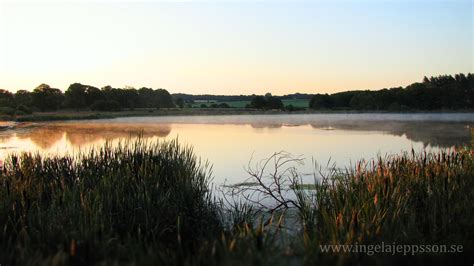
<point x="94" y="205"/>
<point x="151" y="203"/>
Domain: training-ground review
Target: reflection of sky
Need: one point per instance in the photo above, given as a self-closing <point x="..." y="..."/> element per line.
<point x="227" y="146"/>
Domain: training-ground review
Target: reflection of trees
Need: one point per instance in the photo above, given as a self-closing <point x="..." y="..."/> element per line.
<point x="442" y="134"/>
<point x="44" y="138"/>
<point x="80" y="134"/>
<point x="266" y="125"/>
<point x="85" y="133"/>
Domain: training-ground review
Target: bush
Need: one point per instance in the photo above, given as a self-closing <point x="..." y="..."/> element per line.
<point x="105" y="105"/>
<point x="7" y="111"/>
<point x="23" y="109"/>
<point x="293" y="108"/>
<point x="268" y="102"/>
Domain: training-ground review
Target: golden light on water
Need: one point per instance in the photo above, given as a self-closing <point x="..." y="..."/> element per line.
<point x="230" y="146"/>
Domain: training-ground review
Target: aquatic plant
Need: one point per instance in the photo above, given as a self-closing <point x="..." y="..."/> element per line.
<point x="152" y="203"/>
<point x="99" y="204"/>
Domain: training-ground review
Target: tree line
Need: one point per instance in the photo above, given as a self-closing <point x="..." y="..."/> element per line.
<point x="229" y="98"/>
<point x="434" y="93"/>
<point x="82" y="97"/>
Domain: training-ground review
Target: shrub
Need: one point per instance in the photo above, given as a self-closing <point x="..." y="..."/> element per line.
<point x="23" y="109"/>
<point x="7" y="111"/>
<point x="105" y="105"/>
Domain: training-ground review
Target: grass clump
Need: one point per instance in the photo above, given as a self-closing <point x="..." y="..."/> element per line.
<point x="151" y="203"/>
<point x="411" y="199"/>
<point x="118" y="203"/>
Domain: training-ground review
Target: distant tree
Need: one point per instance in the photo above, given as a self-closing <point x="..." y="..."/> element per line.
<point x="180" y="102"/>
<point x="75" y="96"/>
<point x="165" y="100"/>
<point x="362" y="101"/>
<point x="23" y="97"/>
<point x="128" y="97"/>
<point x="110" y="94"/>
<point x="433" y="93"/>
<point x="258" y="102"/>
<point x="147" y="98"/>
<point x="321" y="101"/>
<point x="46" y="98"/>
<point x="274" y="103"/>
<point x="6" y="99"/>
<point x="93" y="94"/>
<point x="266" y="102"/>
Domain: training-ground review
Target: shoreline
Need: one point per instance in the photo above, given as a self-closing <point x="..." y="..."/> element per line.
<point x="66" y="115"/>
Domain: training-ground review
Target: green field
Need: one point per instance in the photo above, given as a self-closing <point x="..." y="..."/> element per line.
<point x="242" y="104"/>
<point x="296" y="102"/>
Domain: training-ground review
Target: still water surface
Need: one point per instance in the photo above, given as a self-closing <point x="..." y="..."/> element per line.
<point x="229" y="142"/>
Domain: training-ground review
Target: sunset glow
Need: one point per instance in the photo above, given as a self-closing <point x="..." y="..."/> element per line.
<point x="235" y="47"/>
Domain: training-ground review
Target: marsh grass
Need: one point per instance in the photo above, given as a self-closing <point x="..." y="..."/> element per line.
<point x="422" y="199"/>
<point x="152" y="203"/>
<point x="96" y="205"/>
<point x="412" y="198"/>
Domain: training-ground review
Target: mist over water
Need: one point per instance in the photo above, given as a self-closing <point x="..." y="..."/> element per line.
<point x="230" y="142"/>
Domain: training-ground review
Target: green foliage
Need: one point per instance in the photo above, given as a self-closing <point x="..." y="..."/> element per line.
<point x="266" y="102"/>
<point x="435" y="93"/>
<point x="137" y="197"/>
<point x="297" y="103"/>
<point x="23" y="109"/>
<point x="105" y="105"/>
<point x="75" y="96"/>
<point x="7" y="111"/>
<point x="145" y="203"/>
<point x="179" y="102"/>
<point x="46" y="98"/>
<point x="409" y="199"/>
<point x="23" y="97"/>
<point x="159" y="98"/>
<point x="321" y="101"/>
<point x="412" y="199"/>
<point x="258" y="102"/>
<point x="292" y="108"/>
<point x="6" y="99"/>
<point x="220" y="105"/>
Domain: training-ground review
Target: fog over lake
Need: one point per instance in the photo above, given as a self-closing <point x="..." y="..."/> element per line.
<point x="230" y="142"/>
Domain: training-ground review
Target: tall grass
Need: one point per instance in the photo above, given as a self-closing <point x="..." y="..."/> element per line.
<point x="151" y="203"/>
<point x="422" y="199"/>
<point x="105" y="204"/>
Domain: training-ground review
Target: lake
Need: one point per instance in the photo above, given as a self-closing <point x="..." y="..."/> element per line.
<point x="230" y="143"/>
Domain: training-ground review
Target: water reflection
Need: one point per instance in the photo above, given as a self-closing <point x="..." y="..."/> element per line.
<point x="228" y="142"/>
<point x="439" y="134"/>
<point x="46" y="136"/>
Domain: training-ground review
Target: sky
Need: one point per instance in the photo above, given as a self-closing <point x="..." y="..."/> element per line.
<point x="233" y="47"/>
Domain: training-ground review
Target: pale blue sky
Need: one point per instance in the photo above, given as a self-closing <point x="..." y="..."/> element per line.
<point x="234" y="47"/>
